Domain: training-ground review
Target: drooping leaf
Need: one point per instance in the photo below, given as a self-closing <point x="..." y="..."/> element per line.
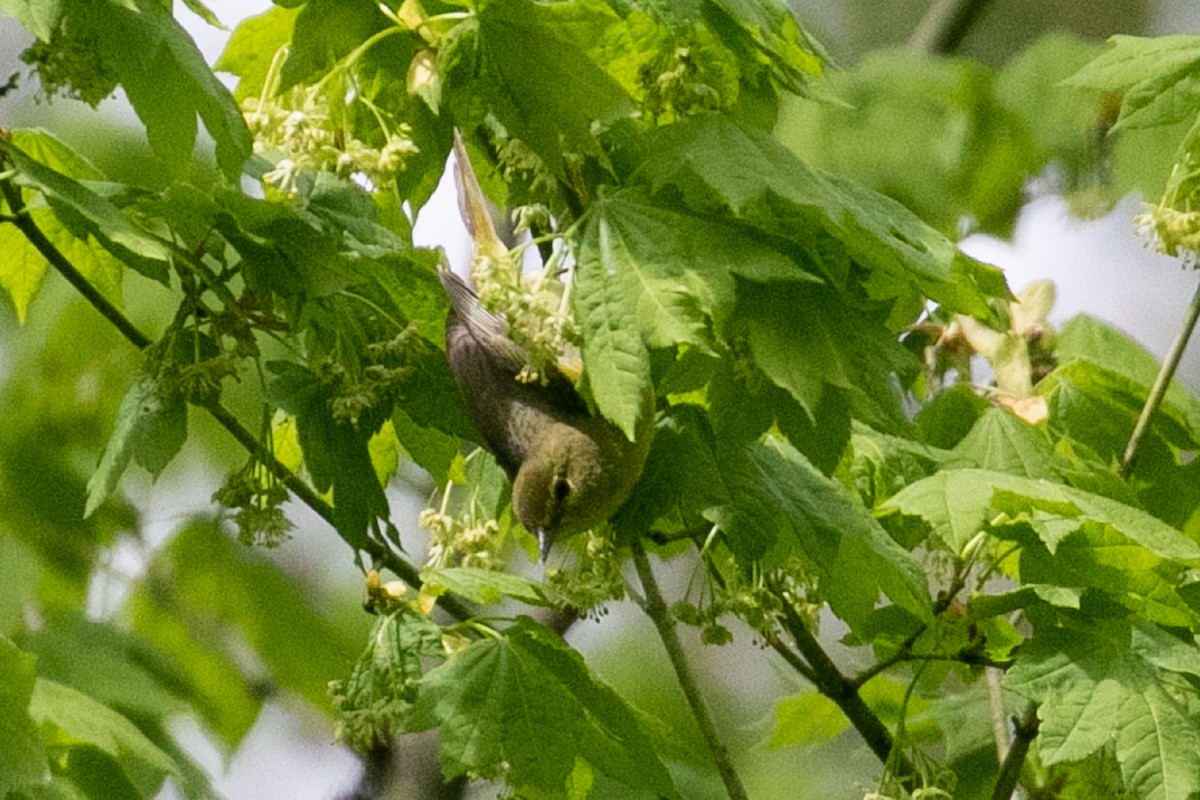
<point x="82" y="210"/>
<point x="781" y="505"/>
<point x="481" y="699"/>
<point x="165" y="78"/>
<point x="537" y="69"/>
<point x="667" y="499"/>
<point x="22" y="269"/>
<point x="150" y="430"/>
<point x="718" y="166"/>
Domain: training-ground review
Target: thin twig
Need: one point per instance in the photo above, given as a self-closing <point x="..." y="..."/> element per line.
<point x="1025" y="728"/>
<point x="1161" y="383"/>
<point x="664" y="621"/>
<point x="222" y="415"/>
<point x="831" y="683"/>
<point x="945" y="25"/>
<point x="792" y="658"/>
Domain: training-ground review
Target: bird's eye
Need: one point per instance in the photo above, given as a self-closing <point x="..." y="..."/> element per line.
<point x="562" y="488"/>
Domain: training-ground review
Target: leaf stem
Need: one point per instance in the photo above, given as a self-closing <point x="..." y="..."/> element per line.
<point x="945" y="25"/>
<point x="305" y="493"/>
<point x="1025" y="728"/>
<point x="664" y="621"/>
<point x="1161" y="383"/>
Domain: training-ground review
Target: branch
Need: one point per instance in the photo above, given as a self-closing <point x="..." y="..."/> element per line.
<point x="1161" y="383"/>
<point x="831" y="683"/>
<point x="664" y="621"/>
<point x="945" y="25"/>
<point x="1025" y="728"/>
<point x="222" y="415"/>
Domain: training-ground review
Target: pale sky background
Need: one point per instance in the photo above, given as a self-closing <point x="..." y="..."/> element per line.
<point x="1098" y="266"/>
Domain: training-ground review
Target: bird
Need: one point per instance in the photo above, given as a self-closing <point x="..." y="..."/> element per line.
<point x="570" y="469"/>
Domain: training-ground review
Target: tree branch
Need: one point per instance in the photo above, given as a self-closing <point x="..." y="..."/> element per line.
<point x="664" y="621"/>
<point x="1025" y="728"/>
<point x="305" y="493"/>
<point x="945" y="25"/>
<point x="831" y="683"/>
<point x="1161" y="383"/>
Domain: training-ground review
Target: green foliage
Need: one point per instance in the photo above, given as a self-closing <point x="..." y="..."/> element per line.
<point x="765" y="251"/>
<point x="480" y="700"/>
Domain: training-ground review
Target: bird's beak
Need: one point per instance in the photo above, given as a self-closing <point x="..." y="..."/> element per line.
<point x="544" y="542"/>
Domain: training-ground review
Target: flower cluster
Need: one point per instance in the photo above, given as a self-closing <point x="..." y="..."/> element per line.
<point x="258" y="498"/>
<point x="595" y="579"/>
<point x="678" y="90"/>
<point x="1170" y="231"/>
<point x="538" y="312"/>
<point x="755" y="598"/>
<point x="463" y="541"/>
<point x="298" y="132"/>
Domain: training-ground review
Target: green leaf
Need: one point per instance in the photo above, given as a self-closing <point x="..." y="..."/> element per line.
<point x="336" y="453"/>
<point x="1003" y="442"/>
<point x="1102" y="687"/>
<point x="324" y="32"/>
<point x="717" y="165"/>
<point x="667" y="499"/>
<point x="166" y="80"/>
<point x="773" y="31"/>
<point x="781" y="505"/>
<point x="835" y="346"/>
<point x="545" y="87"/>
<point x="40" y="17"/>
<point x="882" y="465"/>
<point x="806" y="718"/>
<point x="22" y="270"/>
<point x="150" y="430"/>
<point x="1158" y="78"/>
<point x="72" y="720"/>
<point x="525" y="705"/>
<point x="1085" y="338"/>
<point x="81" y="209"/>
<point x="956" y="503"/>
<point x="614" y="355"/>
<point x="23" y="756"/>
<point x="484" y="585"/>
<point x="122" y="670"/>
<point x="252" y="48"/>
<point x="437" y="453"/>
<point x="674" y="271"/>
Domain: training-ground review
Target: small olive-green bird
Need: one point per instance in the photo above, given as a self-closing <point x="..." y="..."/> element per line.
<point x="570" y="469"/>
